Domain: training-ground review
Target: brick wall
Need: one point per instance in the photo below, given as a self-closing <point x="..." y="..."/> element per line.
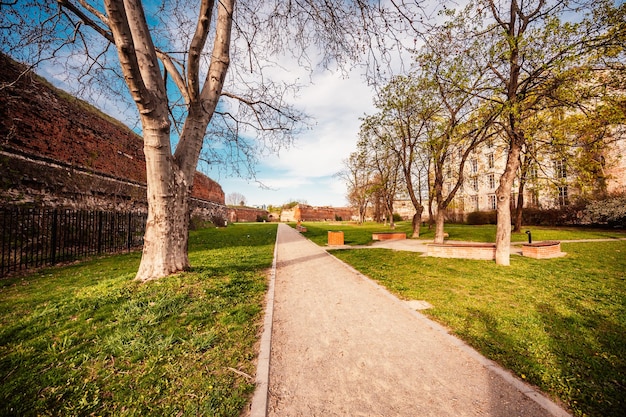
<point x="75" y="155"/>
<point x="307" y="213"/>
<point x="246" y="214"/>
<point x="462" y="251"/>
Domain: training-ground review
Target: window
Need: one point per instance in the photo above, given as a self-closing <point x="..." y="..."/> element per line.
<point x="563" y="200"/>
<point x="492" y="202"/>
<point x="475" y="184"/>
<point x="474" y="166"/>
<point x="560" y="170"/>
<point x="492" y="181"/>
<point x="533" y="197"/>
<point x="475" y="202"/>
<point x="490" y="160"/>
<point x="532" y="171"/>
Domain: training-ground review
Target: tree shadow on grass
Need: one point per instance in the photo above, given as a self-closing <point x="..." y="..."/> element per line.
<point x="587" y="348"/>
<point x="591" y="352"/>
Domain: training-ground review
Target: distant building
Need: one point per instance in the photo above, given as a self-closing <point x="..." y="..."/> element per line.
<point x="551" y="181"/>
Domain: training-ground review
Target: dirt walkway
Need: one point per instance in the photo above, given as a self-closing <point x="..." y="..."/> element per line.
<point x="343" y="346"/>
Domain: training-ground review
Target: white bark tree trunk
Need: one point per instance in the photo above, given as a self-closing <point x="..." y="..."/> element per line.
<point x="167" y="226"/>
<point x="169" y="176"/>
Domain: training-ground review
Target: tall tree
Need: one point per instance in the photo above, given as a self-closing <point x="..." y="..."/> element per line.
<point x="401" y="125"/>
<point x="189" y="69"/>
<point x="358" y="177"/>
<point x="452" y="70"/>
<point x="529" y="43"/>
<point x="236" y="199"/>
<point x="384" y="165"/>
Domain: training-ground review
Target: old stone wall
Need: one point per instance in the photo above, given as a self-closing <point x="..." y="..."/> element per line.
<point x="246" y="214"/>
<point x="58" y="151"/>
<point x="310" y="213"/>
<point x="306" y="213"/>
<point x="288" y="215"/>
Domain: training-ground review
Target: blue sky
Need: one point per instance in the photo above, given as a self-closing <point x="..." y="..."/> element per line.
<point x="305" y="171"/>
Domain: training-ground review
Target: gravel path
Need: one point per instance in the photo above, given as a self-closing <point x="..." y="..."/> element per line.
<point x="343" y="346"/>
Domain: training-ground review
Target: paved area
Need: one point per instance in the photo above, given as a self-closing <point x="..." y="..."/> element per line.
<point x="343" y="346"/>
<point x="415" y="245"/>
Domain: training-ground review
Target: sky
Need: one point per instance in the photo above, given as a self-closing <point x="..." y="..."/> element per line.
<point x="305" y="172"/>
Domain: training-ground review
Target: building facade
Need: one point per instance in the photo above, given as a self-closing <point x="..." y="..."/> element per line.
<point x="551" y="180"/>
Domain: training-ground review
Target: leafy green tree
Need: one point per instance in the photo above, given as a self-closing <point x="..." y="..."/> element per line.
<point x="358" y="177"/>
<point x="401" y="125"/>
<point x="451" y="72"/>
<point x="384" y="166"/>
<point x="529" y="46"/>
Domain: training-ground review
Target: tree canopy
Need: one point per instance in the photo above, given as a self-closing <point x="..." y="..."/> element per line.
<point x="494" y="69"/>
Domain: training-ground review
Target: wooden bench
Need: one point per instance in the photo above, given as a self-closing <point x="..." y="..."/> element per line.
<point x="388" y="236"/>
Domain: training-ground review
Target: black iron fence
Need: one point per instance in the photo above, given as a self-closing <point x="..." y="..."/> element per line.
<point x="35" y="237"/>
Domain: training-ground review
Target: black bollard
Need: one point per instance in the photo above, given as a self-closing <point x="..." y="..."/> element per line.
<point x="530" y="237"/>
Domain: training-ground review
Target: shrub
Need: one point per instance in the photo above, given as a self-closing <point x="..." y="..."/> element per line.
<point x="454" y="217"/>
<point x="571" y="214"/>
<point x="218" y="221"/>
<point x="198" y="222"/>
<point x="610" y="211"/>
<point x="481" y="217"/>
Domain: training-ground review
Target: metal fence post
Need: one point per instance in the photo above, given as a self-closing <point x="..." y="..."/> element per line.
<point x="53" y="240"/>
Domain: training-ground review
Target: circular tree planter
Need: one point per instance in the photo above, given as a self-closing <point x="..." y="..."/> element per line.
<point x="542" y="250"/>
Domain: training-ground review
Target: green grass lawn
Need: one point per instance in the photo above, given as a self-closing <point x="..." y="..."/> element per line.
<point x="86" y="339"/>
<point x="355" y="234"/>
<point x="557" y="323"/>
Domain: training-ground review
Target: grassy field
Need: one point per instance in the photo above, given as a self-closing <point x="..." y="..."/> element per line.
<point x="559" y="324"/>
<point x="86" y="339"/>
<point x="355" y="234"/>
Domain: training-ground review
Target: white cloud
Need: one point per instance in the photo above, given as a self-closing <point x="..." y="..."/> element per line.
<point x="336" y="103"/>
<point x="305" y="172"/>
